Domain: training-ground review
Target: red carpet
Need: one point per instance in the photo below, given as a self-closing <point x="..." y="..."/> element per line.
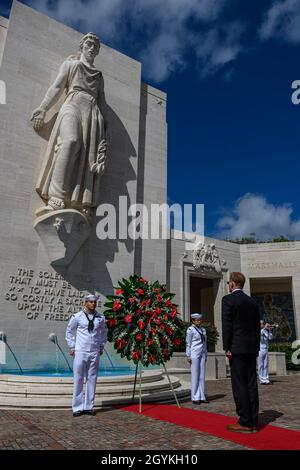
<point x="268" y="438"/>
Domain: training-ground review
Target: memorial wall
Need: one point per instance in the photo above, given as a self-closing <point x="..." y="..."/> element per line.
<point x="50" y="253"/>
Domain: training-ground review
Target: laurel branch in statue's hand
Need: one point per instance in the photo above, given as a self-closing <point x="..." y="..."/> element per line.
<point x="99" y="165"/>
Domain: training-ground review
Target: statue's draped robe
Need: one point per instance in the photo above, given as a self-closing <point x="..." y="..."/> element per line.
<point x="81" y="186"/>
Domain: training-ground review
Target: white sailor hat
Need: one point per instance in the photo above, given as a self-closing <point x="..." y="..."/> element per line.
<point x="91" y="297"/>
<point x="196" y="316"/>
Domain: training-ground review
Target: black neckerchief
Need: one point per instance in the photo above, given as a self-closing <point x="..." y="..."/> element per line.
<point x="91" y="322"/>
<point x="200" y="333"/>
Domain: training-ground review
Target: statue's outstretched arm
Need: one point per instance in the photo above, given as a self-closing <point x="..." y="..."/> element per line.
<point x="51" y="97"/>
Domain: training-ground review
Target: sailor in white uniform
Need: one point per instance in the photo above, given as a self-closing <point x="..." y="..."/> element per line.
<point x="196" y="352"/>
<point x="263" y="357"/>
<point x="86" y="335"/>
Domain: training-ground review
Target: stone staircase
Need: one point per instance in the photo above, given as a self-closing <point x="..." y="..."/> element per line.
<point x="32" y="392"/>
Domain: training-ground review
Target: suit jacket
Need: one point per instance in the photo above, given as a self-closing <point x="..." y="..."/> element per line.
<point x="240" y="323"/>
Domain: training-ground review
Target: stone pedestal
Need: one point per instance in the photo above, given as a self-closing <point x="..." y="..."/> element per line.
<point x="62" y="233"/>
<point x="277" y="364"/>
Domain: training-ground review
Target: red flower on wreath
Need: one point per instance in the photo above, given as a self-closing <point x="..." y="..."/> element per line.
<point x="119" y="291"/>
<point x="149" y="313"/>
<point x="128" y="319"/>
<point x="177" y="342"/>
<point x="166" y="353"/>
<point x="150" y="341"/>
<point x="139" y="337"/>
<point x="168" y="303"/>
<point x="169" y="331"/>
<point x="152" y="359"/>
<point x="117" y="305"/>
<point x="141" y="292"/>
<point x="141" y="325"/>
<point x="111" y="322"/>
<point x="131" y="300"/>
<point x="120" y="343"/>
<point x="136" y="355"/>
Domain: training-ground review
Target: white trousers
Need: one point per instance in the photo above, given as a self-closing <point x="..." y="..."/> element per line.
<point x="85" y="366"/>
<point x="198" y="378"/>
<point x="263" y="366"/>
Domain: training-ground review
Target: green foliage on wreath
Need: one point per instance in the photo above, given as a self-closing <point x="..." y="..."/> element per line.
<point x="143" y="323"/>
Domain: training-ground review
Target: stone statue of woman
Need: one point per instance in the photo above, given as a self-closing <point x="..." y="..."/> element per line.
<point x="76" y="152"/>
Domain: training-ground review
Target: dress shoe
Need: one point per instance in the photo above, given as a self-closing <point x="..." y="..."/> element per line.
<point x="196" y="402"/>
<point x="77" y="413"/>
<point x="238" y="428"/>
<point x="90" y="412"/>
<point x="204" y="401"/>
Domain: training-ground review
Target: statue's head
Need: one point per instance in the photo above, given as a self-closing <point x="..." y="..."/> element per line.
<point x="268" y="300"/>
<point x="90" y="41"/>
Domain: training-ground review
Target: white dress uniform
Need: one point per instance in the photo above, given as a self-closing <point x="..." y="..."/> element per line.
<point x="263" y="357"/>
<point x="196" y="349"/>
<point x="88" y="346"/>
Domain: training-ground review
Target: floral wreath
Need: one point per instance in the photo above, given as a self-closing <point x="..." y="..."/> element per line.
<point x="142" y="321"/>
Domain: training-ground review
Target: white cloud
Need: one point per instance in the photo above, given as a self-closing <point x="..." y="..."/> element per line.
<point x="162" y="34"/>
<point x="101" y="16"/>
<point x="282" y="21"/>
<point x="254" y="214"/>
<point x="219" y="46"/>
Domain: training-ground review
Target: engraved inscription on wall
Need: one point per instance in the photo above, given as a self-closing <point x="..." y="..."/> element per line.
<point x="275" y="265"/>
<point x="43" y="295"/>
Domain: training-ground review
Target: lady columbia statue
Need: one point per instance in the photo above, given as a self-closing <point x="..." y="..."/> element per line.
<point x="76" y="152"/>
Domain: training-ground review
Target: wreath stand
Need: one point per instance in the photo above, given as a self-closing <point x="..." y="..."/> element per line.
<point x="139" y="366"/>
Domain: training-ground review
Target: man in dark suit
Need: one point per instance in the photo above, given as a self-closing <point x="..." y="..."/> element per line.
<point x="241" y="337"/>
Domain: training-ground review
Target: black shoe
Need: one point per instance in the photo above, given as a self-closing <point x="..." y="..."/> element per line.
<point x="204" y="401"/>
<point x="77" y="413"/>
<point x="196" y="402"/>
<point x="90" y="412"/>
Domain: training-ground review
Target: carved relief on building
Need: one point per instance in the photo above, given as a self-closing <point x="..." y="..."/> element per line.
<point x="206" y="258"/>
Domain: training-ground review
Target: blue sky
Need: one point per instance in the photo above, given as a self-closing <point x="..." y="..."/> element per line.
<point x="227" y="67"/>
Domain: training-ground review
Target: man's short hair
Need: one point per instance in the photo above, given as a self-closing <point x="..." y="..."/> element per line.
<point x="238" y="278"/>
